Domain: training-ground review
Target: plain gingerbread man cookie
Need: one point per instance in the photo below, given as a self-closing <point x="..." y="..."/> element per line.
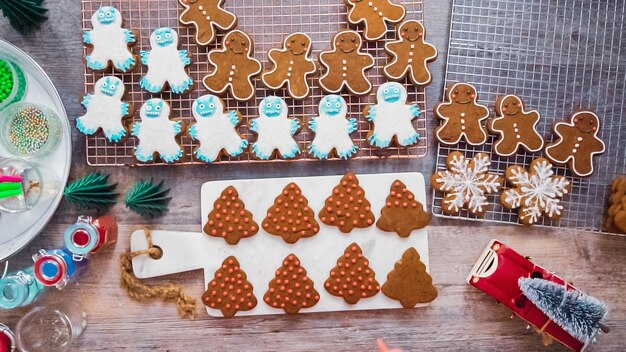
<point x="515" y="127"/>
<point x="292" y="66"/>
<point x="410" y="54"/>
<point x="374" y="14"/>
<point x="234" y="66"/>
<point x="577" y="143"/>
<point x="345" y="65"/>
<point x="461" y="116"/>
<point x="206" y="16"/>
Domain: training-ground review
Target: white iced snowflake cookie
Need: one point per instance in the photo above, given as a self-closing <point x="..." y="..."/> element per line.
<point x="535" y="193"/>
<point x="105" y="110"/>
<point x="332" y="129"/>
<point x="166" y="64"/>
<point x="391" y="117"/>
<point x="157" y="133"/>
<point x="110" y="42"/>
<point x="215" y="129"/>
<point x="465" y="183"/>
<point x="275" y="130"/>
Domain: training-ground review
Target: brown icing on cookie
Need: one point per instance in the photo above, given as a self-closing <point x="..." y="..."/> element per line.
<point x="352" y="278"/>
<point x="292" y="66"/>
<point x="616" y="219"/>
<point x="577" y="143"/>
<point x="207" y="16"/>
<point x="409" y="282"/>
<point x="462" y="116"/>
<point x="346" y="64"/>
<point x="515" y="127"/>
<point x="402" y="213"/>
<point x="410" y="54"/>
<point x="234" y="66"/>
<point x="347" y="206"/>
<point x="374" y="14"/>
<point x="230" y="219"/>
<point x="230" y="291"/>
<point x="291" y="289"/>
<point x="290" y="217"/>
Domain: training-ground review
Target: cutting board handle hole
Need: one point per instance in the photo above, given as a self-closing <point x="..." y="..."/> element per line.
<point x="158" y="254"/>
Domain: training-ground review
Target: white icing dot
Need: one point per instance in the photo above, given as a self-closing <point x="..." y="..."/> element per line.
<point x="462" y="121"/>
<point x="370" y="4"/>
<point x="230" y="79"/>
<point x="208" y="18"/>
<point x="514" y="124"/>
<point x="200" y="8"/>
<point x="345" y="68"/>
<point x="463" y="127"/>
<point x="579" y="139"/>
<point x="516" y="130"/>
<point x="412" y="46"/>
<point x="574" y="150"/>
<point x="288" y="74"/>
<point x="231" y="73"/>
<point x="290" y="69"/>
<point x="576" y="145"/>
<point x="462" y="114"/>
<point x="344" y="62"/>
<point x="518" y="136"/>
<point x="233" y="67"/>
<point x="344" y="75"/>
<point x="204" y="13"/>
<point x="375" y="8"/>
<point x="380" y="14"/>
<point x="290" y="62"/>
<point x="410" y="60"/>
<point x="410" y="53"/>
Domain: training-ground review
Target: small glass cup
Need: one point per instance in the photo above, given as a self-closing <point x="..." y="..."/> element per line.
<point x="29" y="138"/>
<point x="19" y="84"/>
<point x="33" y="185"/>
<point x="52" y="328"/>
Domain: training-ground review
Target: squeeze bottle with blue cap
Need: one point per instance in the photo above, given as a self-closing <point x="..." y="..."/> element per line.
<point x="56" y="267"/>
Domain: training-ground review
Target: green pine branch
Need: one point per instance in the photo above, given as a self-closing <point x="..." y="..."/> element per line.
<point x="92" y="191"/>
<point x="24" y="15"/>
<point x="148" y="199"/>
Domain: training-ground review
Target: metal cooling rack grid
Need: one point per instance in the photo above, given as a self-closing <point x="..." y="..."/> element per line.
<point x="559" y="56"/>
<point x="267" y="22"/>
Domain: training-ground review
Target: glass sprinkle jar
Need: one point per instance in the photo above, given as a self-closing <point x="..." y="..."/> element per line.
<point x="12" y="83"/>
<point x="28" y="130"/>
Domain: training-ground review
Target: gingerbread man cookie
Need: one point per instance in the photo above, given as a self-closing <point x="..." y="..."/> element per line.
<point x="345" y="65"/>
<point x="462" y="116"/>
<point x="206" y="16"/>
<point x="292" y="66"/>
<point x="515" y="127"/>
<point x="234" y="66"/>
<point x="374" y="14"/>
<point x="577" y="143"/>
<point x="410" y="54"/>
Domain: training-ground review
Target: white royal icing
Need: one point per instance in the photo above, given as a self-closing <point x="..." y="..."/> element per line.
<point x="274" y="132"/>
<point x="105" y="109"/>
<point x="156" y="133"/>
<point x="166" y="64"/>
<point x="332" y="129"/>
<point x="392" y="118"/>
<point x="215" y="129"/>
<point x="500" y="132"/>
<point x="109" y="41"/>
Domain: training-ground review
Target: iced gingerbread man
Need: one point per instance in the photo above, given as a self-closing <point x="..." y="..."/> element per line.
<point x="346" y="65"/>
<point x="332" y="129"/>
<point x="206" y="16"/>
<point x="515" y="127"/>
<point x="292" y="66"/>
<point x="275" y="130"/>
<point x="577" y="143"/>
<point x="110" y="41"/>
<point x="234" y="66"/>
<point x="410" y="54"/>
<point x="461" y="116"/>
<point x="375" y="14"/>
<point x="166" y="64"/>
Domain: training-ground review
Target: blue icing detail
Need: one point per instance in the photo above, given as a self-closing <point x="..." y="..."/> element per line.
<point x="144" y="54"/>
<point x="375" y="141"/>
<point x="295" y="126"/>
<point x="180" y="88"/>
<point x="173" y="157"/>
<point x="205" y="106"/>
<point x="371" y="113"/>
<point x="392" y="92"/>
<point x="193" y="132"/>
<point x="106" y="14"/>
<point x="316" y="153"/>
<point x="149" y="87"/>
<point x="135" y="130"/>
<point x="313" y="124"/>
<point x="177" y="127"/>
<point x="272" y="106"/>
<point x="109" y="86"/>
<point x="351" y="125"/>
<point x="143" y="157"/>
<point x="183" y="57"/>
<point x="415" y="110"/>
<point x="87" y="38"/>
<point x="410" y="140"/>
<point x="234" y="118"/>
<point x="153" y="108"/>
<point x="117" y="136"/>
<point x="255" y="150"/>
<point x="347" y="153"/>
<point x="81" y="127"/>
<point x="292" y="153"/>
<point x="129" y="36"/>
<point x="126" y="64"/>
<point x="164" y="36"/>
<point x="203" y="157"/>
<point x="331" y="105"/>
<point x="125" y="107"/>
<point x="93" y="64"/>
<point x="86" y="100"/>
<point x="254" y="127"/>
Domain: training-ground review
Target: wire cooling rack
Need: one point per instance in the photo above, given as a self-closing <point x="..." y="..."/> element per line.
<point x="267" y="22"/>
<point x="558" y="56"/>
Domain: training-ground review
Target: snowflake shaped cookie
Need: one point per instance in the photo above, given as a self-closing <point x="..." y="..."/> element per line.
<point x="465" y="183"/>
<point x="535" y="193"/>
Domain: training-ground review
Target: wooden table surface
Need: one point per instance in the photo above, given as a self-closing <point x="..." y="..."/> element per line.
<point x="462" y="318"/>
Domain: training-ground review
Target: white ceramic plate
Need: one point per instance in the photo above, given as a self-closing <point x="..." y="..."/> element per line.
<point x="17" y="230"/>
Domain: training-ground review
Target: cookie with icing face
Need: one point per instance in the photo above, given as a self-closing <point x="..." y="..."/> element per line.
<point x="234" y="66"/>
<point x="374" y="14"/>
<point x="332" y="129"/>
<point x="110" y="42"/>
<point x="515" y="127"/>
<point x="391" y="117"/>
<point x="461" y="116"/>
<point x="292" y="66"/>
<point x="215" y="129"/>
<point x="577" y="143"/>
<point x="207" y="16"/>
<point x="105" y="110"/>
<point x="275" y="130"/>
<point x="345" y="65"/>
<point x="156" y="133"/>
<point x="166" y="64"/>
<point x="410" y="54"/>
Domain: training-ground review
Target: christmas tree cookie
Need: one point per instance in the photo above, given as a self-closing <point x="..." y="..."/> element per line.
<point x="290" y="217"/>
<point x="402" y="213"/>
<point x="230" y="291"/>
<point x="229" y="218"/>
<point x="352" y="278"/>
<point x="291" y="289"/>
<point x="409" y="282"/>
<point x="347" y="206"/>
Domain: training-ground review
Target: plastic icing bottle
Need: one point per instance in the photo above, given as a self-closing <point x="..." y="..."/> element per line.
<point x="19" y="289"/>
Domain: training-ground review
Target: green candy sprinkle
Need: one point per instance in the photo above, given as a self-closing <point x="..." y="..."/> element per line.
<point x="6" y="80"/>
<point x="29" y="130"/>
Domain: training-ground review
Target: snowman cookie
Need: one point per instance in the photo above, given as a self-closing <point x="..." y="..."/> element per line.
<point x="206" y="16"/>
<point x="156" y="133"/>
<point x="391" y="117"/>
<point x="374" y="14"/>
<point x="105" y="110"/>
<point x="292" y="66"/>
<point x="515" y="127"/>
<point x="332" y="129"/>
<point x="577" y="143"/>
<point x="234" y="66"/>
<point x="110" y="42"/>
<point x="410" y="54"/>
<point x="275" y="130"/>
<point x="461" y="116"/>
<point x="215" y="129"/>
<point x="166" y="64"/>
